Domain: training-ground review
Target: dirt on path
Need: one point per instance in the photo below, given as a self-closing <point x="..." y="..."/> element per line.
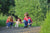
<point x="20" y="30"/>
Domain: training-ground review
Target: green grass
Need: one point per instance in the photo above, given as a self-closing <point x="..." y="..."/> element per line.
<point x="45" y="28"/>
<point x="4" y="18"/>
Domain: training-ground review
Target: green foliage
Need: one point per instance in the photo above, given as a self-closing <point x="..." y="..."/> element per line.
<point x="4" y="6"/>
<point x="45" y="28"/>
<point x="36" y="8"/>
<point x="3" y="20"/>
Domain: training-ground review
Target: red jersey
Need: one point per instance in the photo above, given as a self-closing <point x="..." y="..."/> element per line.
<point x="27" y="18"/>
<point x="9" y="21"/>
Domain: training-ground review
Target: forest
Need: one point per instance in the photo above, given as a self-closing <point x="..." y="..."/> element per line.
<point x="37" y="9"/>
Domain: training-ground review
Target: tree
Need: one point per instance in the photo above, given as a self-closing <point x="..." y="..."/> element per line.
<point x="4" y="6"/>
<point x="36" y="8"/>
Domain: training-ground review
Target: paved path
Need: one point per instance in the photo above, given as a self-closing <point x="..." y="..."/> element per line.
<point x="20" y="30"/>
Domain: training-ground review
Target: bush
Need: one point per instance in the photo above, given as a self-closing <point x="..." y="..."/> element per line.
<point x="45" y="28"/>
